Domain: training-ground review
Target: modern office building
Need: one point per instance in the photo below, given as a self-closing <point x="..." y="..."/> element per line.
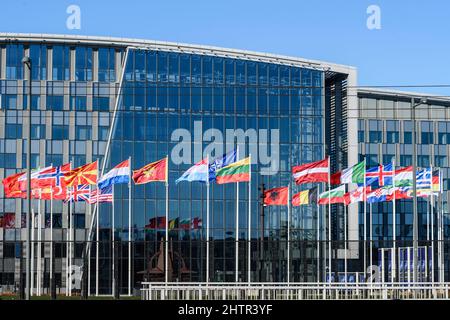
<point x="111" y="99"/>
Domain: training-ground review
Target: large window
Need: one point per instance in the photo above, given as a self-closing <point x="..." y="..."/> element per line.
<point x="106" y="65"/>
<point x="83" y="64"/>
<point x="14" y="65"/>
<point x="38" y="55"/>
<point x="375" y="131"/>
<point x="61" y="63"/>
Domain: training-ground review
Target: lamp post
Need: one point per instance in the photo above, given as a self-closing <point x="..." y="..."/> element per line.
<point x="415" y="215"/>
<point x="27" y="61"/>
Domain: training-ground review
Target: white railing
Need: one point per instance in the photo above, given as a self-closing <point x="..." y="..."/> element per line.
<point x="294" y="291"/>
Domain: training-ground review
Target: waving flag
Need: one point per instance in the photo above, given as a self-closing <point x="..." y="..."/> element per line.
<point x="152" y="172"/>
<point x="198" y="172"/>
<point x="105" y="195"/>
<point x="48" y="193"/>
<point x="335" y="195"/>
<point x="305" y="197"/>
<point x="34" y="178"/>
<point x="235" y="172"/>
<point x="381" y="175"/>
<point x="79" y="193"/>
<point x="52" y="176"/>
<point x="404" y="177"/>
<point x="11" y="186"/>
<point x="276" y="196"/>
<point x="379" y="195"/>
<point x="86" y="174"/>
<point x="354" y="174"/>
<point x="221" y="162"/>
<point x="118" y="174"/>
<point x="311" y="172"/>
<point x="356" y="195"/>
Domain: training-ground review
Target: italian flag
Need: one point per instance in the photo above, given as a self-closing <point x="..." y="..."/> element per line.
<point x="354" y="174"/>
<point x="333" y="196"/>
<point x="238" y="171"/>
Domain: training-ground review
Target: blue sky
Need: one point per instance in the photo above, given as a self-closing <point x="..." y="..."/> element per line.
<point x="411" y="48"/>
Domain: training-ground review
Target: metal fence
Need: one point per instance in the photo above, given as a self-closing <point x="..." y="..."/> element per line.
<point x="295" y="291"/>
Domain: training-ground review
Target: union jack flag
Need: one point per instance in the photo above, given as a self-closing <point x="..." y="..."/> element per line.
<point x="79" y="193"/>
<point x="105" y="195"/>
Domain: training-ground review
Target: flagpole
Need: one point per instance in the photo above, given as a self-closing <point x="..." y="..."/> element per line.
<point x="51" y="235"/>
<point x="67" y="242"/>
<point x="394" y="227"/>
<point x="129" y="229"/>
<point x="432" y="227"/>
<point x="72" y="205"/>
<point x="97" y="254"/>
<point x="318" y="237"/>
<point x="288" y="233"/>
<point x="89" y="254"/>
<point x="329" y="221"/>
<point x="236" y="257"/>
<point x="32" y="251"/>
<point x="39" y="249"/>
<point x="207" y="222"/>
<point x="345" y="243"/>
<point x="365" y="218"/>
<point x="167" y="224"/>
<point x="370" y="234"/>
<point x="249" y="221"/>
<point x="112" y="238"/>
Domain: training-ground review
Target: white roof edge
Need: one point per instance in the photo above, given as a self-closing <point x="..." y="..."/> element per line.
<point x="400" y="93"/>
<point x="193" y="48"/>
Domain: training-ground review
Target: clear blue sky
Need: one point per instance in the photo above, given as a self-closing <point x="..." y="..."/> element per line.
<point x="412" y="47"/>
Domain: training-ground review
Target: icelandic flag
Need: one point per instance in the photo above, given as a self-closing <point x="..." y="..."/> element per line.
<point x="118" y="174"/>
<point x="198" y="172"/>
<point x="381" y="175"/>
<point x="221" y="162"/>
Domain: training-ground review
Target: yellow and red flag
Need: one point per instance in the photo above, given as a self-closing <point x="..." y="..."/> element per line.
<point x="11" y="186"/>
<point x="86" y="174"/>
<point x="155" y="171"/>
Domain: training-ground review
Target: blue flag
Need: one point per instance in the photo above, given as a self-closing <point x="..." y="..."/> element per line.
<point x="221" y="162"/>
<point x="380" y="175"/>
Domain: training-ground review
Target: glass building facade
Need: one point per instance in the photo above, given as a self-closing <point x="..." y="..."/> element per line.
<point x="134" y="98"/>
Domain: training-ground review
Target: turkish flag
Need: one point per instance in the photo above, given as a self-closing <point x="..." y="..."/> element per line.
<point x="276" y="196"/>
<point x="155" y="171"/>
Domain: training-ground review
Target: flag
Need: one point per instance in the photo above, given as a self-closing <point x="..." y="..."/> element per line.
<point x="52" y="176"/>
<point x="335" y="178"/>
<point x="156" y="223"/>
<point x="34" y="181"/>
<point x="404" y="177"/>
<point x="424" y="179"/>
<point x="185" y="224"/>
<point x="48" y="193"/>
<point x="173" y="224"/>
<point x="381" y="175"/>
<point x="400" y="193"/>
<point x="198" y="172"/>
<point x="305" y="197"/>
<point x="118" y="174"/>
<point x="235" y="172"/>
<point x="221" y="162"/>
<point x="80" y="192"/>
<point x="436" y="181"/>
<point x="196" y="223"/>
<point x="311" y="172"/>
<point x="356" y="195"/>
<point x="276" y="196"/>
<point x="86" y="174"/>
<point x="105" y="195"/>
<point x="379" y="195"/>
<point x="11" y="186"/>
<point x="335" y="195"/>
<point x="354" y="174"/>
<point x="152" y="172"/>
<point x="9" y="221"/>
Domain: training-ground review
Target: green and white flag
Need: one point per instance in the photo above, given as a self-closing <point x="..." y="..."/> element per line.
<point x="333" y="196"/>
<point x="354" y="174"/>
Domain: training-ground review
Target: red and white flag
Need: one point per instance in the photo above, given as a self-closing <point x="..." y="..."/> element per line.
<point x="312" y="172"/>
